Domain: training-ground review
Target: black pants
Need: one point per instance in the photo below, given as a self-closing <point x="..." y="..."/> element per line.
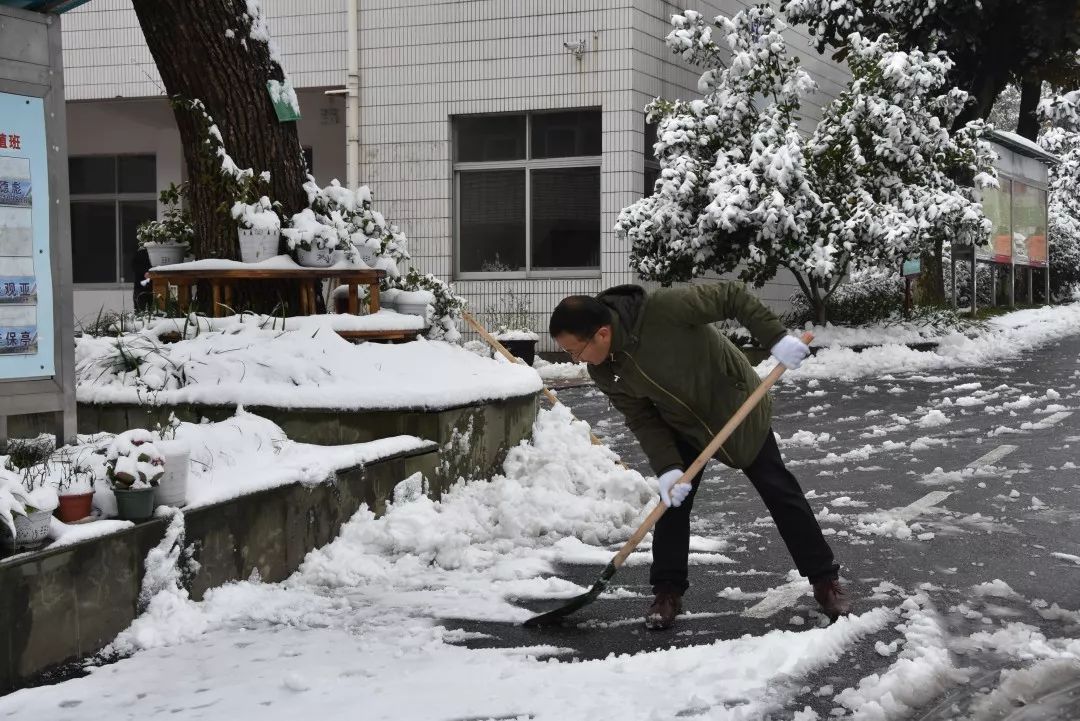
<point x="785" y="501"/>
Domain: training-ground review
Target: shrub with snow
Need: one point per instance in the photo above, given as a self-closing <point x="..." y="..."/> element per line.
<point x="867" y="296"/>
<point x="132" y="461"/>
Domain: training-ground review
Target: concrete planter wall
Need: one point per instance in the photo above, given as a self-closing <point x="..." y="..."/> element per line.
<point x="473" y="439"/>
<point x="60" y="606"/>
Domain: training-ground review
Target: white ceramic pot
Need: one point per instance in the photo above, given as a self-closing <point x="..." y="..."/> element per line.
<point x="31" y="530"/>
<point x="257" y="244"/>
<point x="171" y="489"/>
<point x="165" y="254"/>
<point x="317" y="258"/>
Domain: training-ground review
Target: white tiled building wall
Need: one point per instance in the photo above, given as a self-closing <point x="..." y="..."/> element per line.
<point x="105" y="55"/>
<point x="423" y="62"/>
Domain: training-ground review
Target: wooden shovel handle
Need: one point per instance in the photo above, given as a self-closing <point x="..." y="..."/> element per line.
<point x="494" y="343"/>
<point x="703" y="458"/>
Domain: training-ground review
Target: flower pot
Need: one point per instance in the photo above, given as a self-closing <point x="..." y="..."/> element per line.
<point x="523" y="349"/>
<point x="414" y="302"/>
<point x="316" y="258"/>
<point x="171" y="489"/>
<point x="31" y="530"/>
<point x="165" y="253"/>
<point x="75" y="507"/>
<point x="258" y="244"/>
<point x="134" y="504"/>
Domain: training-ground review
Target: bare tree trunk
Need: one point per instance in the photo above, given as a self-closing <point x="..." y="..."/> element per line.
<point x="1030" y="92"/>
<point x="198" y="60"/>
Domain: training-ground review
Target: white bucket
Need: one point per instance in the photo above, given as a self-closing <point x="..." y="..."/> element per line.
<point x="257" y="244"/>
<point x="165" y="254"/>
<point x="171" y="489"/>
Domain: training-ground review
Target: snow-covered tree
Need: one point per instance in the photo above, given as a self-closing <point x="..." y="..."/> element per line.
<point x="741" y="188"/>
<point x="1062" y="137"/>
<point x="992" y="42"/>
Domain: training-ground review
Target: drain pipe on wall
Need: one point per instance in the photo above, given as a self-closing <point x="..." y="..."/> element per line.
<point x="352" y="99"/>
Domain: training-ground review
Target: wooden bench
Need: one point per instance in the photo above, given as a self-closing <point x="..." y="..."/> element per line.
<point x="222" y="276"/>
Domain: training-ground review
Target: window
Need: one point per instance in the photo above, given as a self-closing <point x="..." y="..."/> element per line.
<point x="652" y="166"/>
<point x="527" y="191"/>
<point x="110" y="197"/>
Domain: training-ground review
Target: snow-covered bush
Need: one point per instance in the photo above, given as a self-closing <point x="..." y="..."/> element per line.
<point x="338" y="218"/>
<point x="132" y="461"/>
<point x="741" y="189"/>
<point x="867" y="296"/>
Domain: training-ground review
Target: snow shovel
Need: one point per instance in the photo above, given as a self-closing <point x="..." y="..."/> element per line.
<point x="554" y="617"/>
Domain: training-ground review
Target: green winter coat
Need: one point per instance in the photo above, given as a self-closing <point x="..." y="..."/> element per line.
<point x="671" y="373"/>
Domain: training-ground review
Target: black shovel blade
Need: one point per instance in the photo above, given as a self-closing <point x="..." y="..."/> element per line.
<point x="555" y="617"/>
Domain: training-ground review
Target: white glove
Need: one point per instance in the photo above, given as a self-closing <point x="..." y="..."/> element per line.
<point x="790" y="351"/>
<point x="673" y="493"/>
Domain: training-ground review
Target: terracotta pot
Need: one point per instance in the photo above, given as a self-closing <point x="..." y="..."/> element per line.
<point x="75" y="507"/>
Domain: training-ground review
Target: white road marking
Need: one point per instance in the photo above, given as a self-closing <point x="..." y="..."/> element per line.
<point x="993" y="456"/>
<point x="1052" y="420"/>
<point x="779" y="598"/>
<point x="920" y="506"/>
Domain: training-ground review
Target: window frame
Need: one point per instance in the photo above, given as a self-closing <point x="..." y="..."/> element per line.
<point x="116" y="198"/>
<point x="527" y="165"/>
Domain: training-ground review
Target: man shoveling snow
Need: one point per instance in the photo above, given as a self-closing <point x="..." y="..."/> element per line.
<point x="677" y="381"/>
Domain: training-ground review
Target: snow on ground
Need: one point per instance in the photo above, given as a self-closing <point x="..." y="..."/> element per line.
<point x="1005" y="336"/>
<point x="354" y="626"/>
<point x="245" y="364"/>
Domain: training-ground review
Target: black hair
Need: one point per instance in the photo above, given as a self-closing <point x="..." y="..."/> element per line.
<point x="578" y="315"/>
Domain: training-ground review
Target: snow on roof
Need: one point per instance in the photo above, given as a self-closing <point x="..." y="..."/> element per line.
<point x="1020" y="144"/>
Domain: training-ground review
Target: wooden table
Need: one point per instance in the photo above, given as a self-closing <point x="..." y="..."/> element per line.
<point x="222" y="279"/>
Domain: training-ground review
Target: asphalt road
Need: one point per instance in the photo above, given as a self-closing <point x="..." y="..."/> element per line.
<point x="1001" y="517"/>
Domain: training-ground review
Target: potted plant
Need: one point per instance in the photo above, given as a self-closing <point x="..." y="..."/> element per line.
<point x="510" y="321"/>
<point x="167" y="240"/>
<point x="171" y="488"/>
<point x="315" y="242"/>
<point x="259" y="225"/>
<point x="133" y="466"/>
<point x="76" y="490"/>
<point x="24" y="513"/>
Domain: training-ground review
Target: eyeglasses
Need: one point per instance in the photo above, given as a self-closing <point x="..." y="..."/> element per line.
<point x="576" y="356"/>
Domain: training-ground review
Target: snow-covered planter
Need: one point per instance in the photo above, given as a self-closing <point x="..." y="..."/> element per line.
<point x="76" y="491"/>
<point x="415" y="302"/>
<point x="167" y="240"/>
<point x="133" y="465"/>
<point x="446" y="309"/>
<point x="259" y="229"/>
<point x="24" y="515"/>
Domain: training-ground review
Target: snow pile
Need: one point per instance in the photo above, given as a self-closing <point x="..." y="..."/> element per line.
<point x="922" y="671"/>
<point x="245" y="364"/>
<point x="356" y="616"/>
<point x="561" y="372"/>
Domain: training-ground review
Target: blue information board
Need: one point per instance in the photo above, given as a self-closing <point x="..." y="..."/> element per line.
<point x="26" y="290"/>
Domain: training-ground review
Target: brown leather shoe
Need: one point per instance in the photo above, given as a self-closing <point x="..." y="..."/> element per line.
<point x="665" y="607"/>
<point x="832" y="598"/>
